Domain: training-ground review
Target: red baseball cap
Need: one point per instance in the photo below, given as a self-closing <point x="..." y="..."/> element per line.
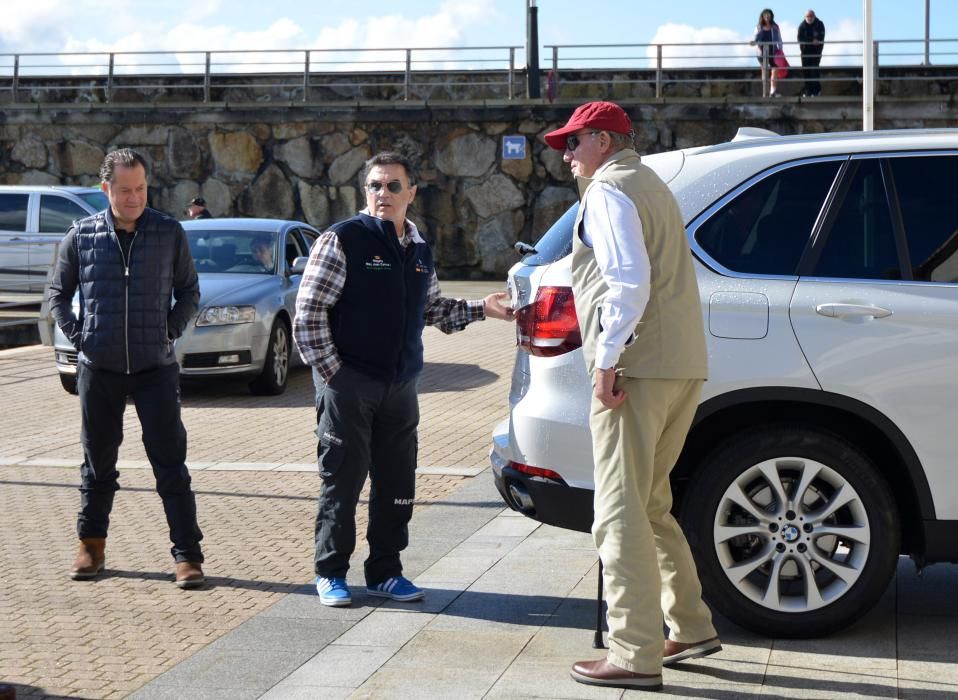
<point x="606" y="116"/>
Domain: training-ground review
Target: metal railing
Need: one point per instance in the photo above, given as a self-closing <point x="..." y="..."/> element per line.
<point x="295" y="71"/>
<point x="457" y="73"/>
<point x="739" y="62"/>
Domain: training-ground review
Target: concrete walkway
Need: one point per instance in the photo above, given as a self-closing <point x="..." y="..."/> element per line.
<point x="509" y="607"/>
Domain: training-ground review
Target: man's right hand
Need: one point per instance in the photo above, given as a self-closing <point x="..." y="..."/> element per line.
<point x="493" y="307"/>
<point x="605" y="390"/>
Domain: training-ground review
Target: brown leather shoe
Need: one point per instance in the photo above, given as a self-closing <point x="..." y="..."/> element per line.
<point x="605" y="673"/>
<point x="682" y="651"/>
<point x="90" y="559"/>
<point x="189" y="574"/>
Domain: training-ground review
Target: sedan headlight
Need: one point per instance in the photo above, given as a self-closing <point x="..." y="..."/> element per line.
<point x="225" y="315"/>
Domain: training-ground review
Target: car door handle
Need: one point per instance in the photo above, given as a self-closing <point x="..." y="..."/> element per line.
<point x="842" y="310"/>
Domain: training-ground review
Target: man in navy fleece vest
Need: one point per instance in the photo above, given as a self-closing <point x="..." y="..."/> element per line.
<point x="367" y="293"/>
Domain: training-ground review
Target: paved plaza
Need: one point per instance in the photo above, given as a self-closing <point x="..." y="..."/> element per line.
<point x="509" y="604"/>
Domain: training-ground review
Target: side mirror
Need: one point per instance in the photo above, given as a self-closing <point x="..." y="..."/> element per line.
<point x="298" y="266"/>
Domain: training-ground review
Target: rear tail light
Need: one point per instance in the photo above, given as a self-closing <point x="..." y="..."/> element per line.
<point x="549" y="326"/>
<point x="536" y="471"/>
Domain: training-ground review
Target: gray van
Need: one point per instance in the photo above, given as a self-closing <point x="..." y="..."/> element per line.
<point x="33" y="218"/>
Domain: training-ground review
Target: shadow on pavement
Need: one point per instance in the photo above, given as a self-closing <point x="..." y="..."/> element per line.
<point x="435" y="377"/>
<point x="449" y="376"/>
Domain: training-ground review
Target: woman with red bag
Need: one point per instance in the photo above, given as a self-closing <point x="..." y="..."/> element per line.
<point x="768" y="43"/>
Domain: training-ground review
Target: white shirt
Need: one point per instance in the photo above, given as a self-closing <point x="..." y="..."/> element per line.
<point x="613" y="230"/>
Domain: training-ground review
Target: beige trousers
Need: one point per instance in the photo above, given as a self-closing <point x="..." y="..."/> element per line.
<point x="648" y="568"/>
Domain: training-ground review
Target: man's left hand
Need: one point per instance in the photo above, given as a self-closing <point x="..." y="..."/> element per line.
<point x="493" y="306"/>
<point x="605" y="390"/>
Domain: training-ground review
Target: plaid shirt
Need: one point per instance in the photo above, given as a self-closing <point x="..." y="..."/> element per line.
<point x="322" y="286"/>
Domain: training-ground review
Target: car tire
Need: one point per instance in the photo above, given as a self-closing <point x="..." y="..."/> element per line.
<point x="272" y="380"/>
<point x="830" y="520"/>
<point x="69" y="383"/>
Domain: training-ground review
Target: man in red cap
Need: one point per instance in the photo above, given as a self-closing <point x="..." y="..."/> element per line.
<point x="638" y="305"/>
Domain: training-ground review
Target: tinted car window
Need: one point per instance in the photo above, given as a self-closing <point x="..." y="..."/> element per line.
<point x="555" y="243"/>
<point x="765" y="229"/>
<point x="927" y="194"/>
<point x="860" y="243"/>
<point x="58" y="213"/>
<point x="13" y="212"/>
<point x="97" y="200"/>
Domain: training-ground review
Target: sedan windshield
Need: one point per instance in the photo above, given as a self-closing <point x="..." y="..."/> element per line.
<point x="233" y="251"/>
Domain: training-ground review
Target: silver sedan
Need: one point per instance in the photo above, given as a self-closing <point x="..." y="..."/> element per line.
<point x="249" y="271"/>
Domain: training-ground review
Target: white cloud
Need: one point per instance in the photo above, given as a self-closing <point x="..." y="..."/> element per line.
<point x="447" y="27"/>
<point x="714" y="46"/>
<point x="199" y="30"/>
<point x="843" y="54"/>
<point x="23" y="21"/>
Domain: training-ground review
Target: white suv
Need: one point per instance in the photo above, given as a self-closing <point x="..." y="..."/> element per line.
<point x="33" y="219"/>
<point x="823" y="446"/>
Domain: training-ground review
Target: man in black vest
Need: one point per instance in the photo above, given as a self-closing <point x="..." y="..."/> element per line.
<point x="811" y="41"/>
<point x="128" y="262"/>
<point x="368" y="291"/>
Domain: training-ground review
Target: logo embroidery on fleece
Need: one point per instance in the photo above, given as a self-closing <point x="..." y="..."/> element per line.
<point x="421" y="266"/>
<point x="377" y="263"/>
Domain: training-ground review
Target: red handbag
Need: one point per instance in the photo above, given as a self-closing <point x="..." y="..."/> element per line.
<point x="781" y="63"/>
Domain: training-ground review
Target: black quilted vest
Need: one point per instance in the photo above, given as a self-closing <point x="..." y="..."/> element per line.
<point x="125" y="304"/>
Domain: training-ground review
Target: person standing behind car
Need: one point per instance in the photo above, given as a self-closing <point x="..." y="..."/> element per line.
<point x="768" y="40"/>
<point x="367" y="292"/>
<point x="637" y="302"/>
<point x="128" y="262"/>
<point x="811" y="41"/>
<point x="196" y="209"/>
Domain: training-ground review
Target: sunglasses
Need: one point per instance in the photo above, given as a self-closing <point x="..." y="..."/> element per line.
<point x="572" y="142"/>
<point x="374" y="187"/>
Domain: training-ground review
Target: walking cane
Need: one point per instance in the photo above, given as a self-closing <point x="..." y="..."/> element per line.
<point x="597" y="639"/>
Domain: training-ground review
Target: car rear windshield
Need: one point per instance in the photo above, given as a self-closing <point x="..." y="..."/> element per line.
<point x="555" y="243"/>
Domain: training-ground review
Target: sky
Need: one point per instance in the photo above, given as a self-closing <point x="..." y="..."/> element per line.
<point x="176" y="26"/>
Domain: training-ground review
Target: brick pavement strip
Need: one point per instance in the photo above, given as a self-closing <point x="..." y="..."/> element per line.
<point x="108" y="637"/>
<point x="118" y="632"/>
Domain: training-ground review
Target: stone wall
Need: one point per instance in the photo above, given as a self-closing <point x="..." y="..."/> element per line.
<point x="304" y="162"/>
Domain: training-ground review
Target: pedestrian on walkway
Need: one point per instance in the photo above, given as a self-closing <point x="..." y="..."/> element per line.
<point x="367" y="292"/>
<point x="128" y="262"/>
<point x="638" y="306"/>
<point x="768" y="43"/>
<point x="811" y="41"/>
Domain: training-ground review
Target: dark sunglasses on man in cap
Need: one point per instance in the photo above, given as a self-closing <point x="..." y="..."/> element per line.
<point x="573" y="141"/>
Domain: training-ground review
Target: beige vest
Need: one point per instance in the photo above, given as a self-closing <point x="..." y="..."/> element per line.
<point x="670" y="339"/>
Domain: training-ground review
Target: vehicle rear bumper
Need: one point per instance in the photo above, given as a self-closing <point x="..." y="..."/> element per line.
<point x="546" y="500"/>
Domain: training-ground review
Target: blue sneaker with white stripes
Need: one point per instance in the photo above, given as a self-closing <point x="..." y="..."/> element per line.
<point x="396" y="588"/>
<point x="333" y="592"/>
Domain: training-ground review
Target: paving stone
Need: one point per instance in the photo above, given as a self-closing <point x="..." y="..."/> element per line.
<point x="285" y="691"/>
<point x="340" y="666"/>
<point x="395" y="683"/>
<point x="385" y="628"/>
